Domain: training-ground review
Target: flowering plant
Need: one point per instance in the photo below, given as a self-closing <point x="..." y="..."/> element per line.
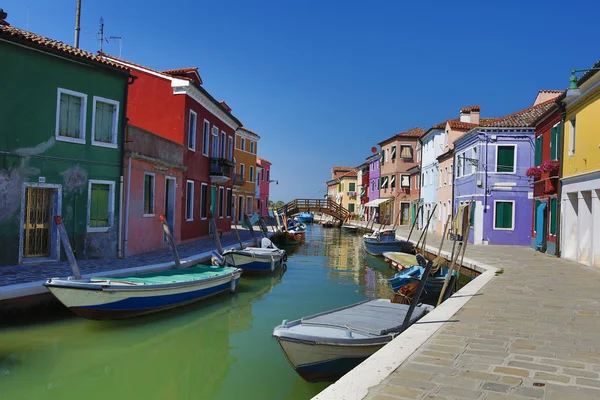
<point x="534" y="172"/>
<point x="550" y="165"/>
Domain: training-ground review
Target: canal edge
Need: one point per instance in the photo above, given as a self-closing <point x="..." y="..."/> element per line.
<point x="375" y="369"/>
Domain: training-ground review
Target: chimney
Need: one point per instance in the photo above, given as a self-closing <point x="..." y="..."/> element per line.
<point x="475" y="111"/>
<point x="3" y="16"/>
<point x="465" y="114"/>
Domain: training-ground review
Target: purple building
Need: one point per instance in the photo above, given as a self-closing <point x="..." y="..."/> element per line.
<point x="373" y="190"/>
<point x="491" y="161"/>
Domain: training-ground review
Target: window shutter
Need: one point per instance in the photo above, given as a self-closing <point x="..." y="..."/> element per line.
<point x="508" y="210"/>
<point x="539" y="142"/>
<point x="472" y="222"/>
<point x="552" y="143"/>
<point x="99" y="205"/>
<point x="393" y="152"/>
<point x="553" y="216"/>
<point x="506" y="159"/>
<point x="499" y="215"/>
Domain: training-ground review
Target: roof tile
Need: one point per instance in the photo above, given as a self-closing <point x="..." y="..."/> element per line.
<point x="523" y="118"/>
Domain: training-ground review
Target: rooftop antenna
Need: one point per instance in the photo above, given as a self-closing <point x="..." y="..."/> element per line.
<point x="77" y="20"/>
<point x="103" y="39"/>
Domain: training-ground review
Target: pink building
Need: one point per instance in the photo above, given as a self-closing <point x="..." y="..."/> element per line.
<point x="264" y="167"/>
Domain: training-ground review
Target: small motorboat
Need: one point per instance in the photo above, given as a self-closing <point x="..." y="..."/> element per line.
<point x="328" y="224"/>
<point x="381" y="241"/>
<point x="349" y="228"/>
<point x="325" y="346"/>
<point x="433" y="284"/>
<point x="306" y="217"/>
<point x="400" y="261"/>
<point x="256" y="260"/>
<point x="130" y="296"/>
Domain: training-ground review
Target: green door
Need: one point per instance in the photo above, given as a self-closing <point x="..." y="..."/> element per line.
<point x="413" y="212"/>
<point x="213" y="200"/>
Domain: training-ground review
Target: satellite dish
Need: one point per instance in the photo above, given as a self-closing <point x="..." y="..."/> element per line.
<point x="374" y="149"/>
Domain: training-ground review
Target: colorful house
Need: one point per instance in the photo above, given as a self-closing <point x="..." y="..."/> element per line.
<point x="491" y="163"/>
<point x="244" y="189"/>
<point x="432" y="146"/>
<point x="580" y="179"/>
<point x="362" y="177"/>
<point x="342" y="188"/>
<point x="61" y="135"/>
<point x="265" y="183"/>
<point x="397" y="157"/>
<point x="372" y="206"/>
<point x="174" y="105"/>
<point x="415" y="192"/>
<point x="545" y="174"/>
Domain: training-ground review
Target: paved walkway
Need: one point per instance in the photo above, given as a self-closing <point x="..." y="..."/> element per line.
<point x="533" y="332"/>
<point x="11" y="275"/>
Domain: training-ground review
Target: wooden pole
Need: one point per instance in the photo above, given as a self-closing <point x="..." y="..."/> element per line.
<point x="64" y="238"/>
<point x="167" y="231"/>
<point x="215" y="233"/>
<point x="465" y="239"/>
<point x="251" y="228"/>
<point x="424" y="233"/>
<point x="417" y="296"/>
<point x="413" y="225"/>
<point x="237" y="233"/>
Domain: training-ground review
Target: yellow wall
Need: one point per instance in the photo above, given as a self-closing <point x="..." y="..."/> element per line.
<point x="587" y="136"/>
<point x="346" y="188"/>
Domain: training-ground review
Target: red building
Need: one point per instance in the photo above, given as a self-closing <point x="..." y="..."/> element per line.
<point x="264" y="179"/>
<point x="545" y="175"/>
<point x="173" y="105"/>
<point x="364" y="186"/>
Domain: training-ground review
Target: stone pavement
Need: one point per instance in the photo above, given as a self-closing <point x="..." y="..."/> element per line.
<point x="11" y="275"/>
<point x="533" y="332"/>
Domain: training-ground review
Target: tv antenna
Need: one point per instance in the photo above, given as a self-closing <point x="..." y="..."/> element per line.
<point x="102" y="39"/>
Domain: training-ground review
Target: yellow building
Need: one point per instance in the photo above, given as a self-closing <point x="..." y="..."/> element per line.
<point x="244" y="181"/>
<point x="580" y="182"/>
<point x="343" y="188"/>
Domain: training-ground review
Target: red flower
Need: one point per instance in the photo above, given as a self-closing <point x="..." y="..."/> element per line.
<point x="550" y="165"/>
<point x="534" y="172"/>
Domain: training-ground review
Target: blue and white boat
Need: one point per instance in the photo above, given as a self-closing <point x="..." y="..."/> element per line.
<point x="382" y="241"/>
<point x="325" y="346"/>
<point x="130" y="296"/>
<point x="306" y="217"/>
<point x="433" y="284"/>
<point x="256" y="260"/>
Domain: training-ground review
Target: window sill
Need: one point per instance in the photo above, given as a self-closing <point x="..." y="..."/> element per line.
<point x="70" y="139"/>
<point x="189" y="219"/>
<point x="147" y="215"/>
<point x="98" y="230"/>
<point x="190" y="149"/>
<point x="202" y="219"/>
<point x="504" y="229"/>
<point x="104" y="144"/>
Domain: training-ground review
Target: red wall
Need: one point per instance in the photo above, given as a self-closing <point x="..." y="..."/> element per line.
<point x="264" y="188"/>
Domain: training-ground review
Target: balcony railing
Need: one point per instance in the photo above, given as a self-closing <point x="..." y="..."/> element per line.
<point x="220" y="169"/>
<point x="238" y="180"/>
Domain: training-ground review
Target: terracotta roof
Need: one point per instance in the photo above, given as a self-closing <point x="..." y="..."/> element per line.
<point x="475" y="108"/>
<point x="263" y="160"/>
<point x="465" y="110"/>
<point x="249" y="131"/>
<point x="523" y="118"/>
<point x="550" y="91"/>
<point x="19" y="35"/>
<point x="184" y="71"/>
<point x="461" y="126"/>
<point x="341" y="168"/>
<point x="413" y="132"/>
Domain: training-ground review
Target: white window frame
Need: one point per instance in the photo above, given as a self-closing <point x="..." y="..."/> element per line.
<point x="187" y="198"/>
<point x="202" y="184"/>
<point x="514" y="163"/>
<point x="195" y="137"/>
<point x="475" y="157"/>
<point x="83" y="96"/>
<point x="572" y="135"/>
<point x="230" y="146"/>
<point x="514" y="212"/>
<point x="440" y="177"/>
<point x="243" y="144"/>
<point x="205" y="137"/>
<point x="252" y="146"/>
<point x="111" y="205"/>
<point x="115" y="133"/>
<point x="445" y="176"/>
<point x="233" y="206"/>
<point x="215" y="134"/>
<point x="153" y="194"/>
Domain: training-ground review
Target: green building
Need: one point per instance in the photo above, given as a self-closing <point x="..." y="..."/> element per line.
<point x="62" y="118"/>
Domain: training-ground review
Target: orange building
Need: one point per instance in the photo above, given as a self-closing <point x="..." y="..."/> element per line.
<point x="244" y="181"/>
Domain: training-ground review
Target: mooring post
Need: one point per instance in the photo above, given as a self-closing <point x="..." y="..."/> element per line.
<point x="417" y="296"/>
<point x="251" y="228"/>
<point x="64" y="238"/>
<point x="215" y="233"/>
<point x="169" y="237"/>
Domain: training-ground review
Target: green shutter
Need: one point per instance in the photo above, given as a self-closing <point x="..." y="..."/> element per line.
<point x="504" y="214"/>
<point x="99" y="205"/>
<point x="472" y="222"/>
<point x="506" y="159"/>
<point x="553" y="216"/>
<point x="539" y="143"/>
<point x="508" y="215"/>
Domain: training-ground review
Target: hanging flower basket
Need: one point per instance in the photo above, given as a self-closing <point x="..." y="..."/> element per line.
<point x="550" y="165"/>
<point x="534" y="172"/>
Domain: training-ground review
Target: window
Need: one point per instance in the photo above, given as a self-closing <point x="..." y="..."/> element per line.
<point x="384" y="182"/>
<point x="189" y="201"/>
<point x="70" y="116"/>
<point x="251" y="173"/>
<point x="262" y="175"/>
<point x="252" y="147"/>
<point x="249" y="205"/>
<point x="553" y="216"/>
<point x="230" y="149"/>
<point x="352" y="187"/>
<point x="223" y="144"/>
<point x="406" y="152"/>
<point x="100" y="205"/>
<point x="387" y="156"/>
<point x="463" y="165"/>
<point x="242" y="171"/>
<point x="268" y="176"/>
<point x="405" y="181"/>
<point x="446" y="138"/>
<point x="243" y="144"/>
<point x="439" y="177"/>
<point x="351" y="207"/>
<point x="504" y="215"/>
<point x="382" y="157"/>
<point x="539" y="142"/>
<point x="431" y="177"/>
<point x="393" y="152"/>
<point x="229" y="203"/>
<point x="505" y="159"/>
<point x="148" y="194"/>
<point x="206" y="138"/>
<point x="203" y="200"/>
<point x="451" y="172"/>
<point x="105" y="122"/>
<point x="215" y="142"/>
<point x="572" y="132"/>
<point x="393" y="181"/>
<point x="192" y="130"/>
<point x="445" y="175"/>
<point x="554" y="141"/>
<point x="474" y="160"/>
<point x="221" y="201"/>
<point x="472" y="217"/>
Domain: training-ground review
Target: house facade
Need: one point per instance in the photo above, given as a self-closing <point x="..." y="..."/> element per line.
<point x="374" y="183"/>
<point x="491" y="163"/>
<point x="415" y="193"/>
<point x="545" y="174"/>
<point x="363" y="188"/>
<point x="244" y="189"/>
<point x="173" y="105"/>
<point x="580" y="179"/>
<point x="432" y="145"/>
<point x="265" y="184"/>
<point x="398" y="155"/>
<point x="61" y="137"/>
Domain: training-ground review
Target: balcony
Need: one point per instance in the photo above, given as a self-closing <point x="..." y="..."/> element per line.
<point x="351" y="194"/>
<point x="238" y="180"/>
<point x="220" y="170"/>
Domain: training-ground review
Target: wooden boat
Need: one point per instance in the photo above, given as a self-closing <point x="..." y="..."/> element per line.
<point x="256" y="260"/>
<point x="400" y="261"/>
<point x="293" y="237"/>
<point x="305" y="217"/>
<point x="328" y="224"/>
<point x="130" y="296"/>
<point x="378" y="242"/>
<point x="349" y="228"/>
<point x="433" y="284"/>
<point x="325" y="346"/>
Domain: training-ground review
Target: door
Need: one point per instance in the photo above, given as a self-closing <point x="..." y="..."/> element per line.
<point x="413" y="212"/>
<point x="170" y="204"/>
<point x="241" y="210"/>
<point x="540" y="226"/>
<point x="404" y="218"/>
<point x="37" y="223"/>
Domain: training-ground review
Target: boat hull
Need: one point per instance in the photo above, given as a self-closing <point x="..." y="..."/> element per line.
<point x="376" y="248"/>
<point x="349" y="228"/>
<point x="107" y="301"/>
<point x="294" y="238"/>
<point x="257" y="265"/>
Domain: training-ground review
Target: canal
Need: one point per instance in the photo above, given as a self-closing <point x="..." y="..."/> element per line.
<point x="217" y="349"/>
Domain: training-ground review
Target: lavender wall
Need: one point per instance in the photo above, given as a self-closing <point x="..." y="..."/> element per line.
<point x="374" y="174"/>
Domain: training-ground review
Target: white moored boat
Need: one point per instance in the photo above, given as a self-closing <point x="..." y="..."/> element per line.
<point x="256" y="260"/>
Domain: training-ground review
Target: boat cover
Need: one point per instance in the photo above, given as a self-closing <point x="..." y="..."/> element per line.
<point x="198" y="272"/>
<point x="402" y="258"/>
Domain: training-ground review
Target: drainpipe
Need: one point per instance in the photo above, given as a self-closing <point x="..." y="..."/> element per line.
<point x="122" y="247"/>
<point x="127" y="206"/>
<point x="120" y="242"/>
<point x="563" y="116"/>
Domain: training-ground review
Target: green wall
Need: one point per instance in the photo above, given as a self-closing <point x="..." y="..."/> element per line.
<point x="30" y="80"/>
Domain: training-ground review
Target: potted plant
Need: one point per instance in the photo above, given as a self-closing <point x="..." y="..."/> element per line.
<point x="550" y="165"/>
<point x="534" y="172"/>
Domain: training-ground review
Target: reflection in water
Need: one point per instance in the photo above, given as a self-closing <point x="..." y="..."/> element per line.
<point x="217" y="349"/>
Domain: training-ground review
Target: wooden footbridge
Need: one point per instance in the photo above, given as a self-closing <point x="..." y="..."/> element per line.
<point x="325" y="206"/>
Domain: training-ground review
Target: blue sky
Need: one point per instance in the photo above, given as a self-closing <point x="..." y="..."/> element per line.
<point x="324" y="81"/>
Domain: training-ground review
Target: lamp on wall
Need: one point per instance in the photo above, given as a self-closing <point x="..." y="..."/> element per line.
<point x="574" y="90"/>
<point x="274" y="180"/>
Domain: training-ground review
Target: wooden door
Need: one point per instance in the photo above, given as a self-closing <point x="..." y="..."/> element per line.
<point x="37" y="225"/>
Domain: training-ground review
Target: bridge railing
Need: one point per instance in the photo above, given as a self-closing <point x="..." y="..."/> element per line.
<point x="327" y="206"/>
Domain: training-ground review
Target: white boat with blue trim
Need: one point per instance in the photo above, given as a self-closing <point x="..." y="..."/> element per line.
<point x="382" y="241"/>
<point x="256" y="260"/>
